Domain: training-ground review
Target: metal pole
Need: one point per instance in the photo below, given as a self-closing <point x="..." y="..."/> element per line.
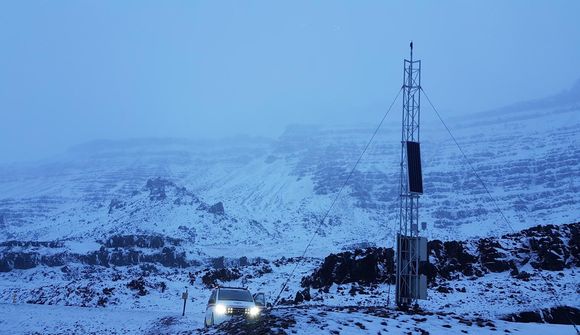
<point x="184" y="297"/>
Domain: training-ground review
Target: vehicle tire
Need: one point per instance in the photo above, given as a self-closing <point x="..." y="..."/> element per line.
<point x="206" y="324"/>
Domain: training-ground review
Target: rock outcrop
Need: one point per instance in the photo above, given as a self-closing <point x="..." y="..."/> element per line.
<point x="118" y="250"/>
<point x="549" y="248"/>
<point x="371" y="265"/>
<point x="217" y="209"/>
<point x="563" y="315"/>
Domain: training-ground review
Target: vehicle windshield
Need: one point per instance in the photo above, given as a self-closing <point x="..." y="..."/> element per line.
<point x="237" y="295"/>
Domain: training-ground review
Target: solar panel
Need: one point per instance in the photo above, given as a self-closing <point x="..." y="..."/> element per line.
<point x="414" y="167"/>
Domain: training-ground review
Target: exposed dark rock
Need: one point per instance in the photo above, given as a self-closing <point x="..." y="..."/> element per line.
<point x="191" y="277"/>
<point x="223" y="262"/>
<point x="58" y="259"/>
<point x="563" y="315"/>
<point x="284" y="261"/>
<point x="100" y="257"/>
<point x="219" y="262"/>
<point x="263" y="270"/>
<point x="108" y="291"/>
<point x="5" y="265"/>
<point x="124" y="257"/>
<point x="542" y="246"/>
<point x="574" y="244"/>
<point x="360" y="325"/>
<point x="430" y="270"/>
<point x="444" y="289"/>
<point x="32" y="244"/>
<point x="451" y="259"/>
<point x="558" y="315"/>
<point x="492" y="256"/>
<point x="185" y="197"/>
<point x="117" y="251"/>
<point x="285" y="302"/>
<point x="115" y="204"/>
<point x="356" y="290"/>
<point x="51" y="294"/>
<point x="302" y="296"/>
<point x="169" y="257"/>
<point x="211" y="277"/>
<point x="527" y="317"/>
<point x="156" y="188"/>
<point x="372" y="265"/>
<point x="102" y="302"/>
<point x="523" y="275"/>
<point x="140" y="241"/>
<point x="148" y="269"/>
<point x="189" y="232"/>
<point x="217" y="209"/>
<point x="548" y="250"/>
<point x="551" y="253"/>
<point x="18" y="260"/>
<point x="138" y="285"/>
<point x="162" y="286"/>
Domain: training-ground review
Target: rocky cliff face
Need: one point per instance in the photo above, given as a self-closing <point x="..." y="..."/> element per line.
<point x="546" y="248"/>
<point x="117" y="250"/>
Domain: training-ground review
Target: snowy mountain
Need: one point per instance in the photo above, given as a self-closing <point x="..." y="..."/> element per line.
<point x="277" y="190"/>
<point x="127" y="224"/>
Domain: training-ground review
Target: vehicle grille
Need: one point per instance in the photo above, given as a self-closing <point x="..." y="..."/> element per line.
<point x="236" y="311"/>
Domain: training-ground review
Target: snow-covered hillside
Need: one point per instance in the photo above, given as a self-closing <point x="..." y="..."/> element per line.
<point x="125" y="225"/>
<point x="132" y="284"/>
<point x="277" y="190"/>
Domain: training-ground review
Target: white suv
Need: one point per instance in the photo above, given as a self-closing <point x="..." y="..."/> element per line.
<point x="226" y="302"/>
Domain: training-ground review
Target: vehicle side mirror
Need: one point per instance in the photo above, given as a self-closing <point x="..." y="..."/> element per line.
<point x="212" y="298"/>
<point x="260" y="299"/>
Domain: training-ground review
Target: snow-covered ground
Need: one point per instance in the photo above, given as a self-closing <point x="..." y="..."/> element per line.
<point x="44" y="319"/>
<point x="159" y="310"/>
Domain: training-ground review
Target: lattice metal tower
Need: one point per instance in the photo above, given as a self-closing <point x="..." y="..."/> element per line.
<point x="409" y="245"/>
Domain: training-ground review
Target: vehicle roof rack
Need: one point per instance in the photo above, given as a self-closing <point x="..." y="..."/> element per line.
<point x="232" y="287"/>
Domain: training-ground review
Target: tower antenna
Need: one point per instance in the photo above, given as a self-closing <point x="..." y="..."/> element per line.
<point x="411" y="249"/>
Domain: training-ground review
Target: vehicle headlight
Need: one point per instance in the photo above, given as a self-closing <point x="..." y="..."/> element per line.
<point x="254" y="311"/>
<point x="220" y="309"/>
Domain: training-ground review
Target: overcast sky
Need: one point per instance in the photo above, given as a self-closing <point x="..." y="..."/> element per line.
<point x="74" y="71"/>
